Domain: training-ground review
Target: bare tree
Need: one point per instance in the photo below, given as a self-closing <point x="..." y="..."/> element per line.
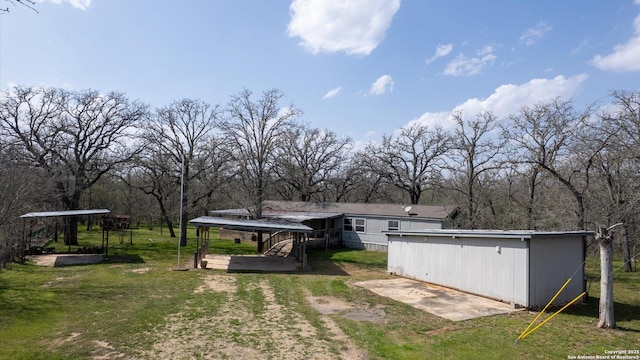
<point x="256" y="128"/>
<point x="527" y="141"/>
<point x="149" y="174"/>
<point x="412" y="160"/>
<point x="358" y="182"/>
<point x="181" y="133"/>
<point x="476" y="150"/>
<point x="555" y="138"/>
<point x="618" y="164"/>
<point x="75" y="137"/>
<point x="19" y="193"/>
<point x="307" y="159"/>
<point x="26" y="3"/>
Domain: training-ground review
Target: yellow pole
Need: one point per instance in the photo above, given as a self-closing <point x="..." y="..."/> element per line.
<point x="545" y="308"/>
<point x="552" y="316"/>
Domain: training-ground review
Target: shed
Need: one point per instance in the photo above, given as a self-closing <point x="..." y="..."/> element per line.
<point x="523" y="268"/>
<point x="65" y="214"/>
<point x="299" y="231"/>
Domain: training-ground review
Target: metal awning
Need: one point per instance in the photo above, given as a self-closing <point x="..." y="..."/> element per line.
<point x="65" y="213"/>
<point x="251" y="225"/>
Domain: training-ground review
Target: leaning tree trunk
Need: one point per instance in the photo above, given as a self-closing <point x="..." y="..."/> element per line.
<point x="606" y="319"/>
<point x="165" y="217"/>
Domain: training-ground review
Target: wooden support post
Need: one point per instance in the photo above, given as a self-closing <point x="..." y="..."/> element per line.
<point x="260" y="244"/>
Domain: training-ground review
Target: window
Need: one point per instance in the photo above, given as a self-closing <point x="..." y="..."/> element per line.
<point x="393" y="225"/>
<point x="348" y="226"/>
<point x="354" y="224"/>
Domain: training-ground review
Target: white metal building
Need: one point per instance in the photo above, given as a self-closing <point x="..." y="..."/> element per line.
<point x="524" y="268"/>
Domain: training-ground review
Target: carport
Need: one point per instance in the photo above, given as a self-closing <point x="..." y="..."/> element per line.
<point x="299" y="232"/>
<point x="27" y="237"/>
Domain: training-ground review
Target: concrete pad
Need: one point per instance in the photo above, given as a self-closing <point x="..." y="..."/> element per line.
<point x="251" y="263"/>
<point x="444" y="302"/>
<point x="59" y="260"/>
<point x="218" y="262"/>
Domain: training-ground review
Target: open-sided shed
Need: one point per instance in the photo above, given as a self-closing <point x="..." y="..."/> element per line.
<point x="524" y="268"/>
<point x="65" y="214"/>
<point x="299" y="231"/>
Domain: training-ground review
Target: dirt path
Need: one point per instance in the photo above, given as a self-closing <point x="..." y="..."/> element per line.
<point x="237" y="333"/>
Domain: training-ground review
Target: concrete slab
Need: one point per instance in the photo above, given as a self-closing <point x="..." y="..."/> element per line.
<point x="251" y="263"/>
<point x="217" y="262"/>
<point x="59" y="260"/>
<point x="444" y="302"/>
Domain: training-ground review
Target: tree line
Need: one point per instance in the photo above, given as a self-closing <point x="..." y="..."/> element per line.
<point x="550" y="166"/>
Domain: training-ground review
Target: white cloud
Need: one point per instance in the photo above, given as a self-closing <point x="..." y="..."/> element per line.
<point x="625" y="57"/>
<point x="533" y="34"/>
<point x="381" y="86"/>
<point x="441" y="51"/>
<point x="355" y="27"/>
<point x="78" y="4"/>
<point x="507" y="99"/>
<point x="331" y="93"/>
<point x="464" y="66"/>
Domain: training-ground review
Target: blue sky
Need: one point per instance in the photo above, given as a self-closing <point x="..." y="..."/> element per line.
<point x="361" y="68"/>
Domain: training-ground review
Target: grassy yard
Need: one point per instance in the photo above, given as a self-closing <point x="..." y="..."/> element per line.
<point x="134" y="306"/>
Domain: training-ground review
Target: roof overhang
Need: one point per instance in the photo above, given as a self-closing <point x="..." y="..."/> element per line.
<point x="507" y="234"/>
<point x="44" y="214"/>
<point x="251" y="225"/>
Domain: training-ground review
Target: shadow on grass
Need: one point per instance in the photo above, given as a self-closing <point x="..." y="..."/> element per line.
<point x="622" y="312"/>
<point x="124" y="259"/>
<point x="328" y="262"/>
<point x="321" y="266"/>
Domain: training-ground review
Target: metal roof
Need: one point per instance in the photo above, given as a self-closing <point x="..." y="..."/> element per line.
<point x="250" y="225"/>
<point x="231" y="212"/>
<point x="511" y="234"/>
<point x="293" y="216"/>
<point x="64" y="213"/>
<point x="302" y="216"/>
<point x="385" y="210"/>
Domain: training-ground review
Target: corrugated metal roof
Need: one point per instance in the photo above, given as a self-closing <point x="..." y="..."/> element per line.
<point x="526" y="234"/>
<point x="230" y="212"/>
<point x="387" y="210"/>
<point x="65" y="213"/>
<point x="250" y="225"/>
<point x="302" y="216"/>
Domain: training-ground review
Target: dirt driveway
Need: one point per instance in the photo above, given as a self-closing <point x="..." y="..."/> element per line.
<point x="237" y="333"/>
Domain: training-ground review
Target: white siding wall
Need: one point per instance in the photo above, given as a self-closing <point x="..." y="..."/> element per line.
<point x="553" y="261"/>
<point x="374" y="238"/>
<point x="467" y="264"/>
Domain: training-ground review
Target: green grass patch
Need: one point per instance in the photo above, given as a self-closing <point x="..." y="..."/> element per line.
<point x="365" y="258"/>
<point x="229" y="247"/>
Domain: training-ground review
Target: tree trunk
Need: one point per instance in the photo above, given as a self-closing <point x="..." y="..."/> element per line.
<point x="166" y="219"/>
<point x="164" y="216"/>
<point x="71" y="235"/>
<point x="606" y="319"/>
<point x="183" y="206"/>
